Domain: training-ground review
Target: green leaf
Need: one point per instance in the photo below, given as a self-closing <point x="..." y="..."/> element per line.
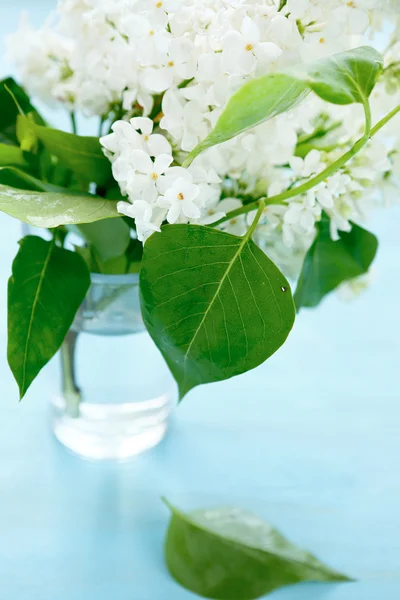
<point x="42" y="162"/>
<point x="127" y="262"/>
<point x="11" y="155"/>
<point x="134" y="255"/>
<point x="214" y="304"/>
<point x="54" y="209"/>
<point x="13" y="177"/>
<point x="110" y="238"/>
<point x="89" y="256"/>
<point x="328" y="263"/>
<point x="115" y="266"/>
<point x="229" y="554"/>
<point x="345" y="78"/>
<point x="82" y="154"/>
<point x="322" y="144"/>
<point x="256" y="102"/>
<point x="47" y="286"/>
<point x="10" y="111"/>
<point x="341" y="79"/>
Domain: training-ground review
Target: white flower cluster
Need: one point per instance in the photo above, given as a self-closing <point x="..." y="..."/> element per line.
<point x="166" y="68"/>
<point x="141" y="163"/>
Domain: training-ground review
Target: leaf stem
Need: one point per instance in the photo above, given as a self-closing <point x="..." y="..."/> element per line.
<point x="71" y="392"/>
<point x="257" y="218"/>
<point x="318" y="133"/>
<point x="101" y="123"/>
<point x="74" y="123"/>
<point x="328" y="172"/>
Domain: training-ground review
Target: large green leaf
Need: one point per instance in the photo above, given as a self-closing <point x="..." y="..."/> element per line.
<point x="109" y="238"/>
<point x="82" y="154"/>
<point x="341" y="79"/>
<point x="10" y="104"/>
<point x="50" y="209"/>
<point x="228" y="554"/>
<point x="16" y="178"/>
<point x="47" y="286"/>
<point x="214" y="304"/>
<point x="328" y="263"/>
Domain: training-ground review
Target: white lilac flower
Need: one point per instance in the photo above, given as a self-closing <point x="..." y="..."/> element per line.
<point x="142" y="212"/>
<point x="310" y="165"/>
<point x="181" y="199"/>
<point x="148" y="174"/>
<point x="136" y="135"/>
<point x="154" y="143"/>
<point x="241" y="50"/>
<point x="179" y="61"/>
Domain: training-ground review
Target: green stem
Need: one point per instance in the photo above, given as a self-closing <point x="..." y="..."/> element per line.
<point x="328" y="172"/>
<point x="318" y="133"/>
<point x="74" y="123"/>
<point x="71" y="392"/>
<point x="254" y="224"/>
<point x="102" y="121"/>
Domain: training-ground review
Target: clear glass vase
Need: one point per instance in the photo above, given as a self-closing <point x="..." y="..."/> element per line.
<point x="116" y="391"/>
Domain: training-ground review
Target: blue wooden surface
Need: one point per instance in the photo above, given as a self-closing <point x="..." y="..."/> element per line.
<point x="309" y="441"/>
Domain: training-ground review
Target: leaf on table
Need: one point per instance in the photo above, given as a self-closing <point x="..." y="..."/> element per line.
<point x="82" y="154"/>
<point x="329" y="263"/>
<point x="229" y="554"/>
<point x="340" y="79"/>
<point x="214" y="304"/>
<point x="51" y="209"/>
<point x="47" y="286"/>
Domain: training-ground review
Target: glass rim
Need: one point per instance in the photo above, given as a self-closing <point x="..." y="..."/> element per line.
<point x="123" y="279"/>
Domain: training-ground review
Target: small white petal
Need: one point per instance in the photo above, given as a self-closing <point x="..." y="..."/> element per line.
<point x="125" y="208"/>
<point x="110" y="142"/>
<point x="190" y="210"/>
<point x="250" y="31"/>
<point x="158" y="80"/>
<point x="296" y="164"/>
<point x="143" y="123"/>
<point x="142" y="162"/>
<point x="232" y="41"/>
<point x="173" y="213"/>
<point x="312" y="159"/>
<point x="269" y="51"/>
<point x="158" y="144"/>
<point x="162" y="163"/>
